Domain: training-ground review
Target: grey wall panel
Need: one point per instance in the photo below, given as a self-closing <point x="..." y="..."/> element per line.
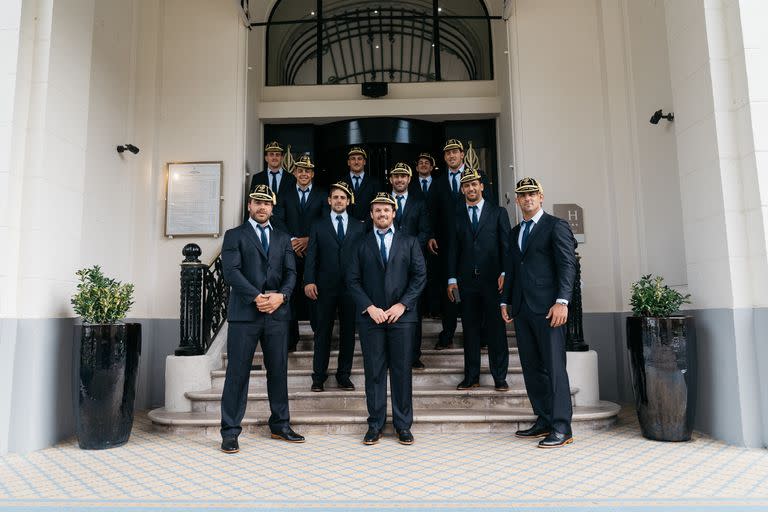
<point x="761" y="351"/>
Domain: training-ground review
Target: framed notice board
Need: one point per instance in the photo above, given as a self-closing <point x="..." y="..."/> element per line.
<point x="193" y="199"/>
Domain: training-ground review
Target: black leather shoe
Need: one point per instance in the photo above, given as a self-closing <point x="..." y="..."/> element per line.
<point x="466" y="384"/>
<point x="556" y="440"/>
<point x="404" y="436"/>
<point x="317" y="387"/>
<point x="345" y="383"/>
<point x="229" y="445"/>
<point x="288" y="435"/>
<point x="539" y="429"/>
<point x="501" y="385"/>
<point x="372" y="436"/>
<point x="442" y="346"/>
<point x="292" y="347"/>
<point x="417" y="365"/>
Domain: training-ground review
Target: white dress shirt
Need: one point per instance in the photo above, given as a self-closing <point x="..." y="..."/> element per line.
<point x="387" y="238"/>
<point x="278" y="177"/>
<point x="344" y="220"/>
<point x="255" y="225"/>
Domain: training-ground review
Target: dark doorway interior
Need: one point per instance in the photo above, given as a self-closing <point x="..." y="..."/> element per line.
<point x="387" y="140"/>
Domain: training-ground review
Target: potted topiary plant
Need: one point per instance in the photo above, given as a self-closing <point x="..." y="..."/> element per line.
<point x="106" y="361"/>
<point x="662" y="348"/>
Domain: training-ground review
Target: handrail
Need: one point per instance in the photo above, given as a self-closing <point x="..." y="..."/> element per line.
<point x="203" y="302"/>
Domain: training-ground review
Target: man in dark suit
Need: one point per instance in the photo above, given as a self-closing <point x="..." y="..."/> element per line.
<point x="364" y="185"/>
<point x="280" y="181"/>
<point x="411" y="218"/>
<point x="421" y="186"/>
<point x="258" y="266"/>
<point x="445" y="197"/>
<point x="332" y="241"/>
<point x="386" y="277"/>
<point x="476" y="259"/>
<point x="295" y="213"/>
<point x="541" y="272"/>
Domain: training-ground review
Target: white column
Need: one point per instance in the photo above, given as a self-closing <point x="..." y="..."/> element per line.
<point x="716" y="175"/>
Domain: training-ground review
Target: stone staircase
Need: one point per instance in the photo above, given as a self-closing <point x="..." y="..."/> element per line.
<point x="438" y="406"/>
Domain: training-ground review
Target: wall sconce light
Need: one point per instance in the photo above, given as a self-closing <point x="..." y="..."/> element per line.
<point x="659" y="115"/>
<point x="130" y="147"/>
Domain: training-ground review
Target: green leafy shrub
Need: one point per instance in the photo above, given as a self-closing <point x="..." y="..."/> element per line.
<point x="100" y="299"/>
<point x="651" y="297"/>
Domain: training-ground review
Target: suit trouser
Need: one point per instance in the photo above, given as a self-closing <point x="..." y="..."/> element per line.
<point x="327" y="305"/>
<point x="542" y="354"/>
<point x="388" y="346"/>
<point x="241" y="345"/>
<point x="301" y="306"/>
<point x="483" y="324"/>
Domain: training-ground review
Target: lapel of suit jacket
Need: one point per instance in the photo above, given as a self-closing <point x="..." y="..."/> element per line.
<point x="515" y="237"/>
<point x="394" y="249"/>
<point x="275" y="254"/>
<point x="250" y="233"/>
<point x="373" y="245"/>
<point x="332" y="230"/>
<point x="483" y="217"/>
<point x="535" y="229"/>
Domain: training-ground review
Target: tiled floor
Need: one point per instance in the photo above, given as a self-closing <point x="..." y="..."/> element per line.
<point x="609" y="470"/>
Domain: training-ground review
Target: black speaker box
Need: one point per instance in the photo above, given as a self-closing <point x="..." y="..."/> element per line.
<point x="375" y="89"/>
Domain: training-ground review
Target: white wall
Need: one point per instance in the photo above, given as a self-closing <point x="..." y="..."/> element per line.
<point x="10" y="31"/>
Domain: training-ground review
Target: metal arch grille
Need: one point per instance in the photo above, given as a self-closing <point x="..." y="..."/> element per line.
<point x="394" y="43"/>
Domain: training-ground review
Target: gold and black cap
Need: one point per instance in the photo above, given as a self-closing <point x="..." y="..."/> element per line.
<point x="453" y="144"/>
<point x="304" y="162"/>
<point x="263" y="193"/>
<point x="401" y="168"/>
<point x="427" y="156"/>
<point x="469" y="174"/>
<point x="384" y="198"/>
<point x="528" y="184"/>
<point x="357" y="151"/>
<point x="274" y="146"/>
<point x="344" y="187"/>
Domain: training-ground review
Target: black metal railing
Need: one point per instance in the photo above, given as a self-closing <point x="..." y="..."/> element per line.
<point x="204" y="299"/>
<point x="574" y="334"/>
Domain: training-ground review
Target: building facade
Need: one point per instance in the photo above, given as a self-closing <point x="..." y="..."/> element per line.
<point x="568" y="88"/>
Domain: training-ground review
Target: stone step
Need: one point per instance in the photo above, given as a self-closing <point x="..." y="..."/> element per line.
<point x="431" y="358"/>
<point x="454" y="421"/>
<point x="428" y="341"/>
<point x="424" y="398"/>
<point x="435" y="377"/>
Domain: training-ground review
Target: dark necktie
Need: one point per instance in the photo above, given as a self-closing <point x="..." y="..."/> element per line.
<point x="399" y="212"/>
<point x="383" y="247"/>
<point x="304" y="198"/>
<point x="474" y="218"/>
<point x="424" y="187"/>
<point x="274" y="180"/>
<point x="264" y="241"/>
<point x="357" y="184"/>
<point x="340" y="227"/>
<point x="454" y="183"/>
<point x="526" y="232"/>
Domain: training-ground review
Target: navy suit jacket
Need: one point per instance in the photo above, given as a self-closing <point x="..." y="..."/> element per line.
<point x="485" y="250"/>
<point x="369" y="187"/>
<point x="546" y="271"/>
<point x="327" y="259"/>
<point x="401" y="282"/>
<point x="287" y="182"/>
<point x="249" y="271"/>
<point x="415" y="221"/>
<point x="292" y="219"/>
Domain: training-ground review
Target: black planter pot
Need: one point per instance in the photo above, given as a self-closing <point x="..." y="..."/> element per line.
<point x="105" y="368"/>
<point x="663" y="359"/>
